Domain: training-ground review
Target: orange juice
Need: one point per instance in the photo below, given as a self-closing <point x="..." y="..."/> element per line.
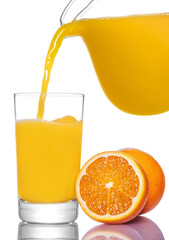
<point x="130" y="56"/>
<point x="48" y="159"/>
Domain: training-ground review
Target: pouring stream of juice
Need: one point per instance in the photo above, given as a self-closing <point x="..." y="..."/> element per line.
<point x="130" y="56"/>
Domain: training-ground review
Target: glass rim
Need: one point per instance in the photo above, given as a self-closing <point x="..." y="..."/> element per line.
<point x="68" y="96"/>
<point x="50" y="94"/>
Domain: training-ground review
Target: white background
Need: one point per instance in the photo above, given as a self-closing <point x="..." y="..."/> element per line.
<point x="26" y="29"/>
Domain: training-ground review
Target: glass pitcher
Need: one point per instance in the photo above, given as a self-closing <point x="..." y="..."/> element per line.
<point x="128" y="42"/>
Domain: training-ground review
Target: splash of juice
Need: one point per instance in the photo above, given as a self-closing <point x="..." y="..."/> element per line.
<point x="130" y="56"/>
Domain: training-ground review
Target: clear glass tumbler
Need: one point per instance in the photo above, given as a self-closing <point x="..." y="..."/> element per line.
<point x="48" y="156"/>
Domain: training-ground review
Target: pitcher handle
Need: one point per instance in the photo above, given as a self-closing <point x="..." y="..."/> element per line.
<point x="65" y="11"/>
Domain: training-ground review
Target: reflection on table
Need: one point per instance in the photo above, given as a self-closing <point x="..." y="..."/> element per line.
<point x="28" y="231"/>
<point x="139" y="229"/>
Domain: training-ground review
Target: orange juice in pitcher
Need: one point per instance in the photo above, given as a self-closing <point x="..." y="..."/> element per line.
<point x="130" y="57"/>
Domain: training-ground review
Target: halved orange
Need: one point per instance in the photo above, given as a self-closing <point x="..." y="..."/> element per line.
<point x="112" y="187"/>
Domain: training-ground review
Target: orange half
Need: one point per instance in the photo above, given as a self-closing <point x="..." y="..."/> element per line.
<point x="112" y="187"/>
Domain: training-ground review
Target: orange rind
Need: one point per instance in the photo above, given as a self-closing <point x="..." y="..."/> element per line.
<point x="155" y="176"/>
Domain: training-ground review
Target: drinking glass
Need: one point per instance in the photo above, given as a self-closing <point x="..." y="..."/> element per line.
<point x="48" y="156"/>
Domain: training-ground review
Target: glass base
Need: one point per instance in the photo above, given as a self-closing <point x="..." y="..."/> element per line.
<point x="48" y="212"/>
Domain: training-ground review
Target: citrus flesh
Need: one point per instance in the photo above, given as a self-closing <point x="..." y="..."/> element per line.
<point x="155" y="176"/>
<point x="112" y="187"/>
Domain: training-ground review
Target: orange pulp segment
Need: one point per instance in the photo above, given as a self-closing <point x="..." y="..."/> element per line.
<point x="112" y="187"/>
